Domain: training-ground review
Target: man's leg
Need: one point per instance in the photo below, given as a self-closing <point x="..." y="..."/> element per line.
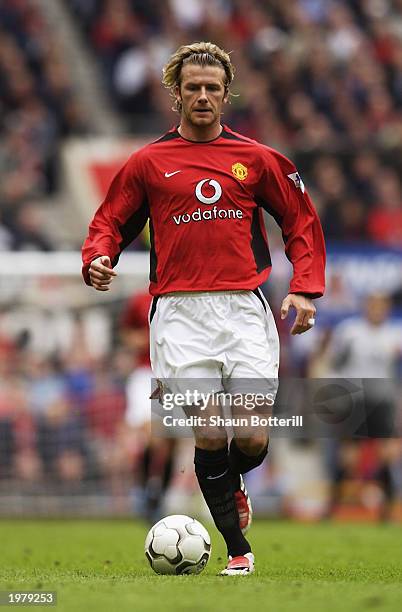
<point x="216" y="482"/>
<point x="245" y="454"/>
<point x="158" y="474"/>
<point x="247" y="451"/>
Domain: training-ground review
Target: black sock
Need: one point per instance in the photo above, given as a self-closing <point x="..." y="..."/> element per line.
<point x="213" y="474"/>
<point x="144" y="466"/>
<point x="240" y="463"/>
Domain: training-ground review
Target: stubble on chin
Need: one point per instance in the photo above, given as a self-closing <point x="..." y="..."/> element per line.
<point x="206" y="120"/>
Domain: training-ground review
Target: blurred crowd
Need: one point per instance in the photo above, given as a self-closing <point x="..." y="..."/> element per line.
<point x="62" y="411"/>
<point x="39" y="107"/>
<point x="71" y="427"/>
<point x="359" y="198"/>
<point x="38" y="396"/>
<point x="320" y="80"/>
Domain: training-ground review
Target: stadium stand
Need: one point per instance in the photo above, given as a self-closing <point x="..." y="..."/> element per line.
<point x="315" y="79"/>
<point x="39" y="108"/>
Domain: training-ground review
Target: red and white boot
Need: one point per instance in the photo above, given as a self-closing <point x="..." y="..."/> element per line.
<point x="239" y="566"/>
<point x="244" y="508"/>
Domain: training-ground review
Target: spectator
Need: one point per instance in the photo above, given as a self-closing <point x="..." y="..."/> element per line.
<point x="28" y="229"/>
<point x="385" y="220"/>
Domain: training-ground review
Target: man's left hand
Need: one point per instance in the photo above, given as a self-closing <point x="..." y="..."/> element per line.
<point x="305" y="312"/>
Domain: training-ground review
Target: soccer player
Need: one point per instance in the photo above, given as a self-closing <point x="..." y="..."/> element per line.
<point x="204" y="188"/>
<point x="368" y="348"/>
<point x="157" y="456"/>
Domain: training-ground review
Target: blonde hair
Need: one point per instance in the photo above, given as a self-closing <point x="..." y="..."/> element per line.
<point x="201" y="53"/>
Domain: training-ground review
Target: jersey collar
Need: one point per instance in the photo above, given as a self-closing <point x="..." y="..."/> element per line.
<point x="201" y="142"/>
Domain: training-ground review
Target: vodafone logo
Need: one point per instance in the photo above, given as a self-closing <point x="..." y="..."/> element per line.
<point x="212" y="199"/>
<point x="209" y="214"/>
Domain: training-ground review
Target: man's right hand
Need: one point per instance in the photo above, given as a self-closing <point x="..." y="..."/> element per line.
<point x="101" y="273"/>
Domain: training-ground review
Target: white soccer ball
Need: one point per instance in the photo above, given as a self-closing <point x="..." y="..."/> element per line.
<point x="178" y="544"/>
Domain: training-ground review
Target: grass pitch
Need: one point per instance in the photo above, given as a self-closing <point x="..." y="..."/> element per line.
<point x="99" y="566"/>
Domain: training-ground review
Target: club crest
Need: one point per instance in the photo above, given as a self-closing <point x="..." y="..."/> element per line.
<point x="239" y="171"/>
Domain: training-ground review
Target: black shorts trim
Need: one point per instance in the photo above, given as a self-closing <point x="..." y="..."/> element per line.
<point x="153" y="308"/>
<point x="257" y="292"/>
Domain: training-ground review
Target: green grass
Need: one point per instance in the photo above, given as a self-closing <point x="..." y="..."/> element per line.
<point x="99" y="566"/>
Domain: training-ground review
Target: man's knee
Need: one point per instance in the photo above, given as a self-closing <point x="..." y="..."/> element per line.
<point x="210" y="443"/>
<point x="253" y="445"/>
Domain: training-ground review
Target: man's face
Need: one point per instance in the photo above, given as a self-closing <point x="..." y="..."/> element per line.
<point x="202" y="94"/>
<point x="377" y="309"/>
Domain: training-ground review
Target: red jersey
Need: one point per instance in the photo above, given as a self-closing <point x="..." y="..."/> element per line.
<point x="204" y="201"/>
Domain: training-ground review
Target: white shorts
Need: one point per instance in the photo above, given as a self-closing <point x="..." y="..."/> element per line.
<point x="138" y="390"/>
<point x="227" y="336"/>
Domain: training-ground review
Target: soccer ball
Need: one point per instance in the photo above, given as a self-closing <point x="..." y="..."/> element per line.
<point x="178" y="544"/>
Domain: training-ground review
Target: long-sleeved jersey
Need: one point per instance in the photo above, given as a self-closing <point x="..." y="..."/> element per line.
<point x="204" y="201"/>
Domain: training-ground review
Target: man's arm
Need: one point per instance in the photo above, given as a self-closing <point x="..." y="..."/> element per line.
<point x="283" y="195"/>
<point x="117" y="222"/>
